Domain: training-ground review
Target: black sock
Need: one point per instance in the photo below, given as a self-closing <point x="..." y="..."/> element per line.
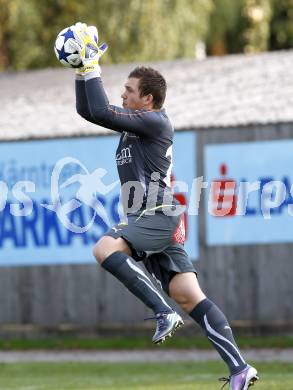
<point x="216" y="326"/>
<point x="123" y="268"/>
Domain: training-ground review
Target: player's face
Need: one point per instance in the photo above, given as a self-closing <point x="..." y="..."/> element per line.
<point x="131" y="96"/>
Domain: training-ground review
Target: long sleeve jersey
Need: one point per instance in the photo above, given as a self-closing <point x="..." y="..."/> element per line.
<point x="144" y="153"/>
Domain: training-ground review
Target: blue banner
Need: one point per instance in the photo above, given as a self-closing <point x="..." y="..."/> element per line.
<point x="249" y="198"/>
<point x="58" y="197"/>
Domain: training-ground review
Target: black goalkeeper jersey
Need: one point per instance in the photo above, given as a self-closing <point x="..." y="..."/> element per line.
<point x="144" y="153"/>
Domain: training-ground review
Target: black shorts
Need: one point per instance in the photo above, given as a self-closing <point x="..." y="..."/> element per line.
<point x="153" y="239"/>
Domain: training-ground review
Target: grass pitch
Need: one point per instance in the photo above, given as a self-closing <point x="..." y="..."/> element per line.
<point x="137" y="343"/>
<point x="134" y="376"/>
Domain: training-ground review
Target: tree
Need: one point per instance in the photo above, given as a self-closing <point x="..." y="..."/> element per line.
<point x="5" y="34"/>
<point x="258" y="15"/>
<point x="226" y="26"/>
<point x="139" y="30"/>
<point x="238" y="26"/>
<point x="281" y="25"/>
<point x="136" y="30"/>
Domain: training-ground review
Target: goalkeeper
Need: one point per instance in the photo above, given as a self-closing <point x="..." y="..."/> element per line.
<point x="153" y="233"/>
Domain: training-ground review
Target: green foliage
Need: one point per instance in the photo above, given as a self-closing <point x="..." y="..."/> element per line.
<point x="154" y="30"/>
<point x="136" y="30"/>
<point x="281" y="25"/>
<point x="238" y="26"/>
<point x="5" y="34"/>
<point x="139" y="30"/>
<point x="226" y="27"/>
<point x="25" y="47"/>
<point x="258" y="15"/>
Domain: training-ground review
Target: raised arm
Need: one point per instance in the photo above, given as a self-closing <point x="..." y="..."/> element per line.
<point x="91" y="100"/>
<point x="140" y="122"/>
<point x="82" y="107"/>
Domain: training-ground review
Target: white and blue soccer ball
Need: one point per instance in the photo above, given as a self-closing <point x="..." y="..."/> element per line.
<point x="65" y="52"/>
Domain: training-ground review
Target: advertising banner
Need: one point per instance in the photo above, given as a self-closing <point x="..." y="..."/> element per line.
<point x="58" y="197"/>
<point x="249" y="196"/>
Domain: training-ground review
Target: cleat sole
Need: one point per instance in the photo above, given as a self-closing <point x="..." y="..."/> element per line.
<point x="252" y="381"/>
<point x="169" y="335"/>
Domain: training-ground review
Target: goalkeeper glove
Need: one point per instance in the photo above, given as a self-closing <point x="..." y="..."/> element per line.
<point x="86" y="43"/>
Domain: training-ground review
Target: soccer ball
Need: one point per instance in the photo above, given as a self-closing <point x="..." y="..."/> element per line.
<point x="65" y="52"/>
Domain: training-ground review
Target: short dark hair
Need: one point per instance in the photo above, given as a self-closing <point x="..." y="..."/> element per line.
<point x="150" y="82"/>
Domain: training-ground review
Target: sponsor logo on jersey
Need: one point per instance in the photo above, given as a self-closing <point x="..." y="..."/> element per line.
<point x="124" y="156"/>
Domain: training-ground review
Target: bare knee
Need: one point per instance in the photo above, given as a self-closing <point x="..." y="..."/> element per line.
<point x="108" y="245"/>
<point x="185" y="290"/>
<point x="186" y="301"/>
